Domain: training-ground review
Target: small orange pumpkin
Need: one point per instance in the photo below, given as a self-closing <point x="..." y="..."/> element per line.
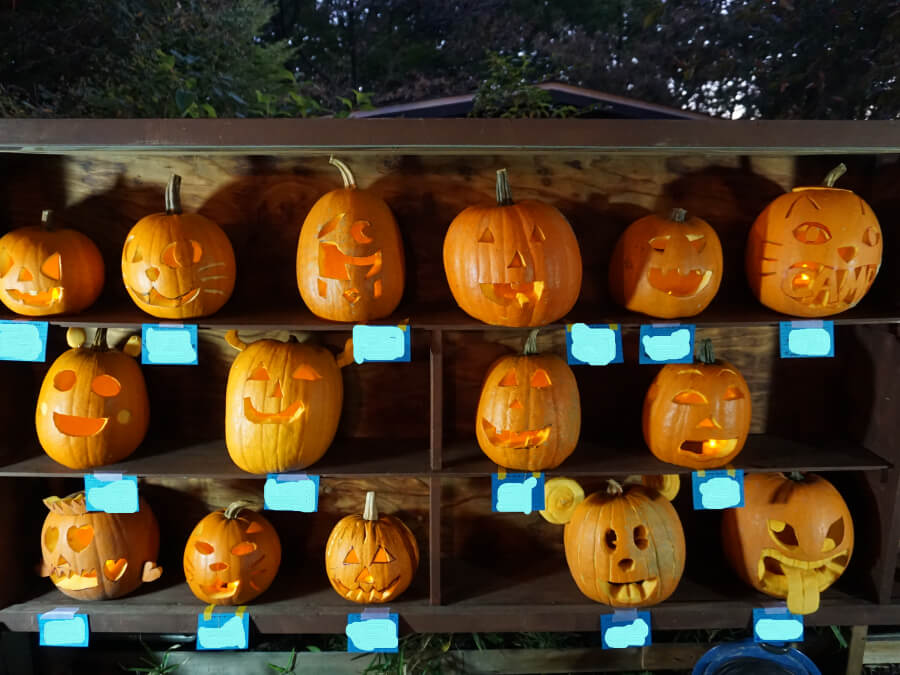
<point x="513" y="264"/>
<point x="232" y="556"/>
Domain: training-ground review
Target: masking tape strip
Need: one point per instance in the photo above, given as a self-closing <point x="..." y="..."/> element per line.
<point x="501" y="473"/>
<point x="239" y="612"/>
<point x="208" y="612"/>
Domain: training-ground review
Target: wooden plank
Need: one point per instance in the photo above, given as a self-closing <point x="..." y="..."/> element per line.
<point x="857" y="650"/>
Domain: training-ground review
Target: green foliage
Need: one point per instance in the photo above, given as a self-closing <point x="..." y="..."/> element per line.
<point x="154" y="667"/>
<point x="417" y="653"/>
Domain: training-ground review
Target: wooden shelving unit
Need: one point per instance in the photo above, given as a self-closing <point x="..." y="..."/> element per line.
<point x="406" y="429"/>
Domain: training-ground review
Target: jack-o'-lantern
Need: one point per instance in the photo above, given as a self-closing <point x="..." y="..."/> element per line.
<point x="45" y="271"/>
<point x="814" y="251"/>
<point x="93" y="408"/>
<point x="625" y="547"/>
<point x="697" y="414"/>
<point x="371" y="558"/>
<point x="93" y="555"/>
<point x="792" y="538"/>
<point x="529" y="413"/>
<point x="178" y="265"/>
<point x="232" y="556"/>
<point x="282" y="403"/>
<point x="350" y="263"/>
<point x="666" y="267"/>
<point x="513" y="264"/>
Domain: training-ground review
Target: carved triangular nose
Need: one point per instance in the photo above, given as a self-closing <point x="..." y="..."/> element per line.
<point x="517" y="262"/>
<point x="708" y="423"/>
<point x="365" y="577"/>
<point x="515" y="405"/>
<point x="277" y="393"/>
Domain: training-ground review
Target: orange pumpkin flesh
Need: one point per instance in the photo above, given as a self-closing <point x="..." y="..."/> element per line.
<point x="96" y="555"/>
<point x="371" y="558"/>
<point x="666" y="267"/>
<point x="792" y="538"/>
<point x="45" y="271"/>
<point x="350" y="264"/>
<point x="178" y="265"/>
<point x="513" y="264"/>
<point x="814" y="251"/>
<point x="232" y="556"/>
<point x="625" y="548"/>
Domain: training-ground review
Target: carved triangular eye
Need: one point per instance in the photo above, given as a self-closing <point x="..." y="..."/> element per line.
<point x="540" y="379"/>
<point x="260" y="373"/>
<point x="510" y="379"/>
<point x="351" y="558"/>
<point x="537" y="234"/>
<point x="52" y="267"/>
<point x="382" y="556"/>
<point x="487" y="237"/>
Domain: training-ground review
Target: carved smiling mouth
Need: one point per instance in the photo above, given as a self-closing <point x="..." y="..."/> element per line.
<point x="359" y="594"/>
<point x="800" y="581"/>
<point x="75" y="425"/>
<point x="521" y="294"/>
<point x="289" y="414"/>
<point x="36" y="298"/>
<point x="711" y="448"/>
<point x="680" y="284"/>
<point x="157" y="299"/>
<point x="632" y="592"/>
<point x="221" y="590"/>
<point x="530" y="438"/>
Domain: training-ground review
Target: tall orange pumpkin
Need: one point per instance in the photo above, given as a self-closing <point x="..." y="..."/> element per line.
<point x="513" y="264"/>
<point x="350" y="264"/>
<point x="814" y="251"/>
<point x="93" y="408"/>
<point x="46" y="271"/>
<point x="178" y="265"/>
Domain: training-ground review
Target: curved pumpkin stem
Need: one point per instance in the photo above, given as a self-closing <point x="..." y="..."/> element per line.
<point x="678" y="215"/>
<point x="531" y="347"/>
<point x="173" y="195"/>
<point x="346" y="174"/>
<point x="370" y="511"/>
<point x="47" y="220"/>
<point x="99" y="344"/>
<point x="234" y="508"/>
<point x="231" y="337"/>
<point x="504" y="192"/>
<point x="614" y="487"/>
<point x="706" y="355"/>
<point x="834" y="174"/>
<point x="345" y="358"/>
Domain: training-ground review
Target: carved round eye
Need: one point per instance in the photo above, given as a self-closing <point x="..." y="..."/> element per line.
<point x="306" y="372"/>
<point x="79" y="538"/>
<point x="244" y="548"/>
<point x="510" y="379"/>
<point x="51" y="538"/>
<point x="698" y="241"/>
<point x="196" y="251"/>
<point x="690" y="397"/>
<point x="834" y="537"/>
<point x="812" y="233"/>
<point x="106" y="386"/>
<point x="358" y="232"/>
<point x="351" y="558"/>
<point x="783" y="533"/>
<point x="871" y="237"/>
<point x="610" y="539"/>
<point x="487" y="237"/>
<point x="733" y="394"/>
<point x="659" y="243"/>
<point x="175" y="253"/>
<point x="64" y="380"/>
<point x="260" y="373"/>
<point x="640" y="537"/>
<point x="203" y="548"/>
<point x="540" y="379"/>
<point x="382" y="556"/>
<point x="6" y="262"/>
<point x="52" y="267"/>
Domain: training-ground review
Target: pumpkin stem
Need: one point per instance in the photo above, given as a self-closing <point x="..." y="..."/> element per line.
<point x="531" y="347"/>
<point x="47" y="220"/>
<point x="834" y="174"/>
<point x="706" y="355"/>
<point x="504" y="192"/>
<point x="234" y="508"/>
<point x="796" y="476"/>
<point x="614" y="487"/>
<point x="173" y="195"/>
<point x="678" y="215"/>
<point x="346" y="174"/>
<point x="99" y="344"/>
<point x="370" y="511"/>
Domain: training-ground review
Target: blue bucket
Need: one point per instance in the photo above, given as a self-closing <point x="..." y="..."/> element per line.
<point x="752" y="658"/>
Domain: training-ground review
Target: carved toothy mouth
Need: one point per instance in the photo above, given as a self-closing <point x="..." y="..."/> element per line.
<point x="817" y="285"/>
<point x="373" y="594"/>
<point x="711" y="448"/>
<point x="75" y="582"/>
<point x="632" y="592"/>
<point x="680" y="284"/>
<point x="289" y="414"/>
<point x="75" y="425"/>
<point x="36" y="298"/>
<point x="524" y="440"/>
<point x="800" y="581"/>
<point x="221" y="590"/>
<point x="157" y="299"/>
<point x="521" y="294"/>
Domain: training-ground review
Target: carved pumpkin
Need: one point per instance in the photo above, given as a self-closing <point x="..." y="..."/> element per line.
<point x="666" y="267"/>
<point x="178" y="265"/>
<point x="513" y="264"/>
<point x="529" y="413"/>
<point x="625" y="547"/>
<point x="93" y="408"/>
<point x="232" y="556"/>
<point x="92" y="555"/>
<point x="45" y="271"/>
<point x="792" y="539"/>
<point x="697" y="415"/>
<point x="814" y="251"/>
<point x="350" y="263"/>
<point x="371" y="558"/>
<point x="282" y="403"/>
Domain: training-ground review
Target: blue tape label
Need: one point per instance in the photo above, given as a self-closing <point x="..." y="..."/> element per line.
<point x="291" y="492"/>
<point x="373" y="344"/>
<point x="625" y="629"/>
<point x="806" y="339"/>
<point x="112" y="493"/>
<point x="723" y="489"/>
<point x="666" y="343"/>
<point x="593" y="345"/>
<point x="380" y="633"/>
<point x="517" y="492"/>
<point x="63" y="629"/>
<point x="223" y="630"/>
<point x="776" y="625"/>
<point x="23" y="340"/>
<point x="172" y="345"/>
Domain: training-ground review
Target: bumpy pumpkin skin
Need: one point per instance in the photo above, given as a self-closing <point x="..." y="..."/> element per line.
<point x="371" y="561"/>
<point x="697" y="415"/>
<point x="792" y="539"/>
<point x="814" y="251"/>
<point x="350" y="264"/>
<point x="93" y="408"/>
<point x="529" y="413"/>
<point x="44" y="272"/>
<point x="232" y="556"/>
<point x="666" y="269"/>
<point x="282" y="406"/>
<point x="626" y="550"/>
<point x="513" y="264"/>
<point x="96" y="555"/>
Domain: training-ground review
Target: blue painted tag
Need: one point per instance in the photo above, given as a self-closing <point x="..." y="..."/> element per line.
<point x="111" y="492"/>
<point x="23" y="340"/>
<point x="721" y="489"/>
<point x="596" y="344"/>
<point x="517" y="492"/>
<point x="666" y="343"/>
<point x="806" y="339"/>
<point x="169" y="344"/>
<point x="373" y="631"/>
<point x="381" y="343"/>
<point x="64" y="627"/>
<point x="625" y="628"/>
<point x="776" y="625"/>
<point x="223" y="630"/>
<point x="291" y="492"/>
